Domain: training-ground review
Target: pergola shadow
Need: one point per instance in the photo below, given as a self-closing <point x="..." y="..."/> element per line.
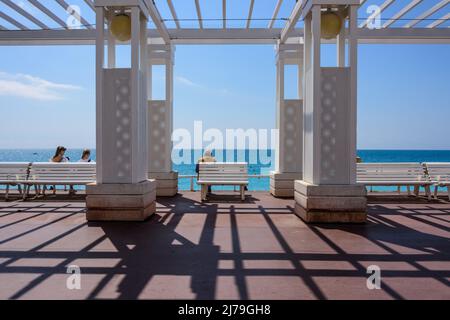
<point x="180" y="251"/>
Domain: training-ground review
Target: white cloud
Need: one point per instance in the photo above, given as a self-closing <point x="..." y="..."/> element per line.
<point x="27" y="86"/>
<point x="187" y="82"/>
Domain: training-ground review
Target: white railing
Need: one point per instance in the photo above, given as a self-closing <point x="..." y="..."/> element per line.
<point x="193" y="177"/>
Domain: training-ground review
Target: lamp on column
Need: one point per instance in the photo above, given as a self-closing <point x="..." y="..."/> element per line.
<point x="120" y="26"/>
<point x="330" y="24"/>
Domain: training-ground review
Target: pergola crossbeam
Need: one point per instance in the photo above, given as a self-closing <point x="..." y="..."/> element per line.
<point x="402" y="12"/>
<point x="199" y="14"/>
<point x="50" y="14"/>
<point x="80" y="19"/>
<point x="225" y="36"/>
<point x="13" y="21"/>
<point x="440" y="21"/>
<point x="293" y="19"/>
<point x="275" y="14"/>
<point x="90" y="4"/>
<point x="427" y="13"/>
<point x="157" y="20"/>
<point x="384" y="6"/>
<point x="24" y="13"/>
<point x="250" y="13"/>
<point x="173" y="12"/>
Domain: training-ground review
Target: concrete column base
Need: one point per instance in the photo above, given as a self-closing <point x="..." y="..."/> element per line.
<point x="282" y="184"/>
<point x="166" y="183"/>
<point x="330" y="203"/>
<point x="120" y="202"/>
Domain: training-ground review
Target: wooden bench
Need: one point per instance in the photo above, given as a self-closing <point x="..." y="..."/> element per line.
<point x="222" y="173"/>
<point x="394" y="174"/>
<point x="13" y="174"/>
<point x="439" y="174"/>
<point x="53" y="174"/>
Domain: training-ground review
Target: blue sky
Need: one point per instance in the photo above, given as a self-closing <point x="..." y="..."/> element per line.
<point x="47" y="94"/>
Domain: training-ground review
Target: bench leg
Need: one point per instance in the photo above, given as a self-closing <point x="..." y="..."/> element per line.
<point x="203" y="192"/>
<point x="428" y="192"/>
<point x="7" y="193"/>
<point x="54" y="189"/>
<point x="436" y="187"/>
<point x="416" y="190"/>
<point x="398" y="189"/>
<point x="26" y="190"/>
<point x="409" y="190"/>
<point x="19" y="187"/>
<point x="242" y="190"/>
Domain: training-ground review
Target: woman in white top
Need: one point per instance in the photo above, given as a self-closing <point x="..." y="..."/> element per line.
<point x="85" y="156"/>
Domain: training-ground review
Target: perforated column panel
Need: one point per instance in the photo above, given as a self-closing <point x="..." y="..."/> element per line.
<point x="291" y="137"/>
<point x="334" y="124"/>
<point x="160" y="129"/>
<point x="116" y="127"/>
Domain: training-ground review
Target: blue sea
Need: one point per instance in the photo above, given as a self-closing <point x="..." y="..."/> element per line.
<point x="260" y="161"/>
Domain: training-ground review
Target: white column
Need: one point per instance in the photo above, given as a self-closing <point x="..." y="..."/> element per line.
<point x="340" y="47"/>
<point x="160" y="119"/>
<point x="289" y="122"/>
<point x="353" y="64"/>
<point x="122" y="190"/>
<point x="99" y="63"/>
<point x="328" y="192"/>
<point x="111" y="47"/>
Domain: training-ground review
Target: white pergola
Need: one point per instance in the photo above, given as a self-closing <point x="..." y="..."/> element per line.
<point x="315" y="159"/>
<point x="41" y="23"/>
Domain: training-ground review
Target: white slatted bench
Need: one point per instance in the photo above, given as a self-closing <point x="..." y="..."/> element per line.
<point x="13" y="174"/>
<point x="394" y="174"/>
<point x="222" y="173"/>
<point x="439" y="174"/>
<point x="53" y="174"/>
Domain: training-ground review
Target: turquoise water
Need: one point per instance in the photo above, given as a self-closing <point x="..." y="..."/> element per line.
<point x="261" y="162"/>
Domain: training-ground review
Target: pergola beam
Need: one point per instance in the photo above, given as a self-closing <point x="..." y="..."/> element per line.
<point x="50" y="14"/>
<point x="173" y="12"/>
<point x="293" y="19"/>
<point x="440" y="21"/>
<point x="199" y="14"/>
<point x="384" y="6"/>
<point x="275" y="14"/>
<point x="401" y="13"/>
<point x="90" y="4"/>
<point x="13" y="21"/>
<point x="224" y="14"/>
<point x="80" y="19"/>
<point x="157" y="20"/>
<point x="24" y="13"/>
<point x="427" y="13"/>
<point x="250" y="13"/>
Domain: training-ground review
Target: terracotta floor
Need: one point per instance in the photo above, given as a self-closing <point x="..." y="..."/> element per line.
<point x="224" y="249"/>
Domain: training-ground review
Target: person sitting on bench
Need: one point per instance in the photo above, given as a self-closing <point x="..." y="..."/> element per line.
<point x="207" y="157"/>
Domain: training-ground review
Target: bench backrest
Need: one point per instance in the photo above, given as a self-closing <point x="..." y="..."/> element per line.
<point x="223" y="171"/>
<point x="14" y="170"/>
<point x="438" y="171"/>
<point x="390" y="172"/>
<point x="51" y="171"/>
